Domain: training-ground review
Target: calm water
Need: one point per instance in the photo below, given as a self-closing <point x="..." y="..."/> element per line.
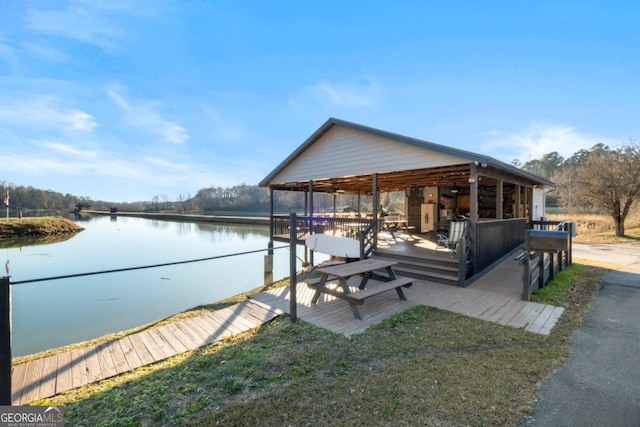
<point x="58" y="312"/>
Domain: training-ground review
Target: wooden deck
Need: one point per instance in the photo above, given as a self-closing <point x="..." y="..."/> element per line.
<point x="494" y="298"/>
<point x="334" y="314"/>
<point x="51" y="375"/>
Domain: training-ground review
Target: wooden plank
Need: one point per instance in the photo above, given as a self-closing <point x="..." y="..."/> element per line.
<point x="171" y="339"/>
<point x="130" y="354"/>
<point x="151" y="345"/>
<point x="117" y="355"/>
<point x="188" y="330"/>
<point x="219" y="320"/>
<point x="184" y="338"/>
<point x="542" y="318"/>
<point x="551" y="322"/>
<point x="233" y="316"/>
<point x="18" y="378"/>
<point x="92" y="362"/>
<point x="256" y="316"/>
<point x="48" y="378"/>
<point x="64" y="379"/>
<point x="475" y="306"/>
<point x="360" y="296"/>
<point x="275" y="312"/>
<point x="195" y="327"/>
<point x="166" y="349"/>
<point x="140" y="347"/>
<point x="520" y="319"/>
<point x="257" y="313"/>
<point x="507" y="311"/>
<point x="32" y="381"/>
<point x="498" y="302"/>
<point x="79" y="375"/>
<point x="107" y="366"/>
<point x="533" y="315"/>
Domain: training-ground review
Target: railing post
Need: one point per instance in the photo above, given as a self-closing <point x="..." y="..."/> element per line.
<point x="541" y="263"/>
<point x="526" y="276"/>
<point x="293" y="306"/>
<point x="5" y="340"/>
<point x="462" y="261"/>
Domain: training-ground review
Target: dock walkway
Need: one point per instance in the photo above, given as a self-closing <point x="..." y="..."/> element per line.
<point x="48" y="376"/>
<point x="334" y="314"/>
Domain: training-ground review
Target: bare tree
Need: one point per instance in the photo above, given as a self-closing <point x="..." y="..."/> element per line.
<point x="609" y="178"/>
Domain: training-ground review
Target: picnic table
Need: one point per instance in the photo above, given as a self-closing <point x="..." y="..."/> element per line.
<point x="378" y="273"/>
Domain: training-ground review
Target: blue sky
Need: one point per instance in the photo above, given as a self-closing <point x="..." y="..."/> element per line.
<point x="123" y="100"/>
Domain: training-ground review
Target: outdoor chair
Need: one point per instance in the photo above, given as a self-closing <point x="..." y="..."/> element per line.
<point x="450" y="241"/>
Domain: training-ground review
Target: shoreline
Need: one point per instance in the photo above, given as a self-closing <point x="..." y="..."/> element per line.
<point x="164" y="216"/>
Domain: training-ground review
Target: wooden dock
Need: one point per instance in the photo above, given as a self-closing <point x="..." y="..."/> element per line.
<point x="48" y="376"/>
<point x="51" y="375"/>
<point x="334" y="314"/>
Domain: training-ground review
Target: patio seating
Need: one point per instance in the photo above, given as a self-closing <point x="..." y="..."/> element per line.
<point x="450" y="241"/>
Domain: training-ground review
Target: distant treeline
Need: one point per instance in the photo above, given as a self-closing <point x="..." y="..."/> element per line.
<point x="238" y="199"/>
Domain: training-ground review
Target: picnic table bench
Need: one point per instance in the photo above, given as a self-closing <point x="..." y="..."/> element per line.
<point x="369" y="270"/>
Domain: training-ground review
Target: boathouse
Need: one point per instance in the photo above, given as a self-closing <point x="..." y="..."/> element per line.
<point x="441" y="185"/>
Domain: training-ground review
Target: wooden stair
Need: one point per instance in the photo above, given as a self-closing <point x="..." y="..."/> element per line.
<point x="431" y="269"/>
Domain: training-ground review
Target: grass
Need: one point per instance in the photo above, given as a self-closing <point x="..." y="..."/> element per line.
<point x="41" y="226"/>
<point x="593" y="228"/>
<point x="423" y="366"/>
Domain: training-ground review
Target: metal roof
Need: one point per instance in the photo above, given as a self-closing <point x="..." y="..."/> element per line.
<point x="396" y="180"/>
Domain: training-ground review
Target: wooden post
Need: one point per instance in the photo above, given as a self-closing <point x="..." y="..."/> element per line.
<point x="462" y="261"/>
<point x="473" y="214"/>
<point x="526" y="276"/>
<point x="499" y="199"/>
<point x="376" y="201"/>
<point x="541" y="262"/>
<point x="5" y="341"/>
<point x="293" y="306"/>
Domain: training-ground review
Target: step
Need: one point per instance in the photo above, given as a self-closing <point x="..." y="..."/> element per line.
<point x="446" y="279"/>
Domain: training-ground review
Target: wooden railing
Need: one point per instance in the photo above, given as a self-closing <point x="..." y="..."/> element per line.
<point x="306" y="225"/>
<point x="361" y="229"/>
<point x="367" y="240"/>
<point x="541" y="266"/>
<point x="494" y="239"/>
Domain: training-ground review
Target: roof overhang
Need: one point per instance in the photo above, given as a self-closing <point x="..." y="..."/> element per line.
<point x="489" y="170"/>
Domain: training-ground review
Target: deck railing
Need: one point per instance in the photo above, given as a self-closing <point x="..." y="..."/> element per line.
<point x="307" y="225"/>
<point x="496" y="238"/>
<point x="541" y="266"/>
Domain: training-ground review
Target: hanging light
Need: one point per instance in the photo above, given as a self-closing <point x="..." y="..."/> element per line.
<point x="455" y="188"/>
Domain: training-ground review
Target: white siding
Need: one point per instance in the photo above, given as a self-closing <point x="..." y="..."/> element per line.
<point x="538" y="203"/>
<point x="344" y="151"/>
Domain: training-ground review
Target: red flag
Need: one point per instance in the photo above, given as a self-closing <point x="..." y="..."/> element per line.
<point x="6" y="200"/>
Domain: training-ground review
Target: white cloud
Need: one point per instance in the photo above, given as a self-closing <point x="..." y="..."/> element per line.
<point x="345" y="94"/>
<point x="539" y="139"/>
<point x="143" y="115"/>
<point x="76" y="22"/>
<point x="95" y="22"/>
<point x="68" y="149"/>
<point x="47" y="112"/>
<point x="167" y="164"/>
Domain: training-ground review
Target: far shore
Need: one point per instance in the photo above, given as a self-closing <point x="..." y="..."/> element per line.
<point x="169" y="216"/>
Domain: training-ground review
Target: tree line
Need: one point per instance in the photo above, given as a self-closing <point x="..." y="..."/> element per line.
<point x="601" y="179"/>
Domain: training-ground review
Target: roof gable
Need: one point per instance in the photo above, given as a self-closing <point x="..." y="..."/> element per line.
<point x="340" y="148"/>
